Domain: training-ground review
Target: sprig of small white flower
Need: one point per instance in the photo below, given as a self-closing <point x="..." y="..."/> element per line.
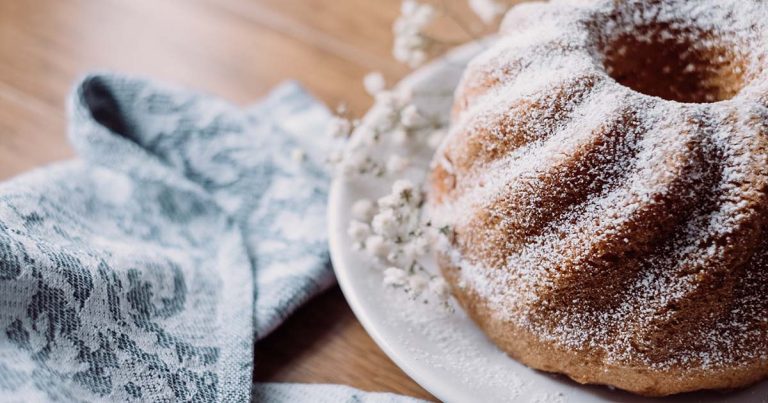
<point x="412" y="45"/>
<point x="391" y="230"/>
<point x="392" y="233"/>
<point x="393" y="118"/>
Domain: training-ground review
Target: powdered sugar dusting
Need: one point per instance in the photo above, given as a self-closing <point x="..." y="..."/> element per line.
<point x="605" y="218"/>
<point x="434" y="326"/>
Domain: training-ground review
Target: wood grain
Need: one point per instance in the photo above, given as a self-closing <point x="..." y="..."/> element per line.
<point x="237" y="49"/>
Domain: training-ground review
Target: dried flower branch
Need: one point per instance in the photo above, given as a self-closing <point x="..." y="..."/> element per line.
<point x="411" y="44"/>
<point x="392" y="230"/>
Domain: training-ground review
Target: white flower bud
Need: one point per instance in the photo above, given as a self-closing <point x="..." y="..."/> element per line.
<point x="390" y="201"/>
<point x="353" y="163"/>
<point x="402" y="186"/>
<point x="405" y="190"/>
<point x="385" y="223"/>
<point x="364" y="136"/>
<point x="410" y="42"/>
<point x="411" y="118"/>
<point x="383" y="115"/>
<point x="374" y="83"/>
<point x="339" y="127"/>
<point x="358" y="231"/>
<point x="414" y="49"/>
<point x="363" y="210"/>
<point x="377" y="246"/>
<point x="420" y="246"/>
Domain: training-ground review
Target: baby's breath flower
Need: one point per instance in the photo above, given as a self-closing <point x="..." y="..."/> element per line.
<point x="363" y="138"/>
<point x="413" y="250"/>
<point x="363" y="210"/>
<point x="390" y="100"/>
<point x="402" y="185"/>
<point x="382" y="117"/>
<point x="339" y="127"/>
<point x="392" y="229"/>
<point x="354" y="163"/>
<point x="398" y="257"/>
<point x="488" y="10"/>
<point x="377" y="246"/>
<point x="358" y="231"/>
<point x="420" y="245"/>
<point x="411" y="50"/>
<point x="390" y="201"/>
<point x="386" y="223"/>
<point x="374" y="83"/>
<point x="411" y="118"/>
<point x="411" y="45"/>
<point x="406" y="191"/>
<point x="395" y="277"/>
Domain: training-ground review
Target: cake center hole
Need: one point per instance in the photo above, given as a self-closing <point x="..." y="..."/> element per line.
<point x="681" y="66"/>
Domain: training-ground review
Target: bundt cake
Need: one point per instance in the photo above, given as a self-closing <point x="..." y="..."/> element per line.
<point x="603" y="192"/>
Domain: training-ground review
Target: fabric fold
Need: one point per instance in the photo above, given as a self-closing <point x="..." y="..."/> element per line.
<point x="142" y="271"/>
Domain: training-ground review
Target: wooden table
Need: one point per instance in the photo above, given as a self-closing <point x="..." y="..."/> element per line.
<point x="237" y="49"/>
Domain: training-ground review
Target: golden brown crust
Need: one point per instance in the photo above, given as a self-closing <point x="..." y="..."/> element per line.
<point x="608" y="210"/>
<point x="584" y="367"/>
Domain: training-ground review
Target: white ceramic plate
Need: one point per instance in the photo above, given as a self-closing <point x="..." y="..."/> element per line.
<point x="445" y="352"/>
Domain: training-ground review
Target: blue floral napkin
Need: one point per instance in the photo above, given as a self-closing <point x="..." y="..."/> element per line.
<point x="146" y="269"/>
